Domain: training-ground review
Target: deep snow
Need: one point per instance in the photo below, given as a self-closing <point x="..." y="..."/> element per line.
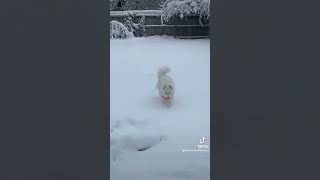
<point x="139" y="120"/>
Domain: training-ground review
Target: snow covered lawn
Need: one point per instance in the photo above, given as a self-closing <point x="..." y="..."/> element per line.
<point x="140" y="121"/>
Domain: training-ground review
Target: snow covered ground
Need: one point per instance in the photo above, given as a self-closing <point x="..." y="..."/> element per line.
<point x="140" y="121"/>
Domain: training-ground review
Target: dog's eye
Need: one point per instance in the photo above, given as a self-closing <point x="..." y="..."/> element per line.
<point x="170" y="87"/>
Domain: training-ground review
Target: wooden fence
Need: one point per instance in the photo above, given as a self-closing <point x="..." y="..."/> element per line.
<point x="188" y="27"/>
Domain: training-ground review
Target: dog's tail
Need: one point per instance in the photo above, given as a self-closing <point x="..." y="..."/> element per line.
<point x="163" y="70"/>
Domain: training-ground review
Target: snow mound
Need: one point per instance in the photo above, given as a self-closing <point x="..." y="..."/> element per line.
<point x="132" y="135"/>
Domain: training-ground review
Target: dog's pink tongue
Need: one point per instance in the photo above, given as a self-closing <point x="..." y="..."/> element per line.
<point x="166" y="98"/>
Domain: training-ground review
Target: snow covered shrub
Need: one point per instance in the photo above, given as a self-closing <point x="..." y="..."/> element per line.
<point x="184" y="8"/>
<point x="119" y="31"/>
<point x="141" y="30"/>
<point x="138" y="29"/>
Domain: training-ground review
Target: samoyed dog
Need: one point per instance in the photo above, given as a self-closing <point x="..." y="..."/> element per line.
<point x="165" y="85"/>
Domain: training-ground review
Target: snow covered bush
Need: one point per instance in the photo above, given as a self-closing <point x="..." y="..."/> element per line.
<point x="119" y="31"/>
<point x="138" y="29"/>
<point x="128" y="29"/>
<point x="184" y="8"/>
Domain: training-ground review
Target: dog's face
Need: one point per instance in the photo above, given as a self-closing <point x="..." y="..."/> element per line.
<point x="166" y="92"/>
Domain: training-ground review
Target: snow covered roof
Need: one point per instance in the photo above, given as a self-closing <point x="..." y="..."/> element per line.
<point x="137" y="12"/>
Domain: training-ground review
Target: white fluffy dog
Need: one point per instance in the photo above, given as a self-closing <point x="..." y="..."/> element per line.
<point x="165" y="85"/>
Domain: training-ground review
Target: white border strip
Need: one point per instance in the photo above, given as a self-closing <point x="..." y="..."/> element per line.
<point x="137" y="12"/>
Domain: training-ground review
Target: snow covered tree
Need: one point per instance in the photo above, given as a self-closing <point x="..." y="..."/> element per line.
<point x="117" y="5"/>
<point x="138" y="29"/>
<point x="124" y="5"/>
<point x="184" y="8"/>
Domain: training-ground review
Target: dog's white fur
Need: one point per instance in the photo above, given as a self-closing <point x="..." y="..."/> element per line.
<point x="165" y="85"/>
